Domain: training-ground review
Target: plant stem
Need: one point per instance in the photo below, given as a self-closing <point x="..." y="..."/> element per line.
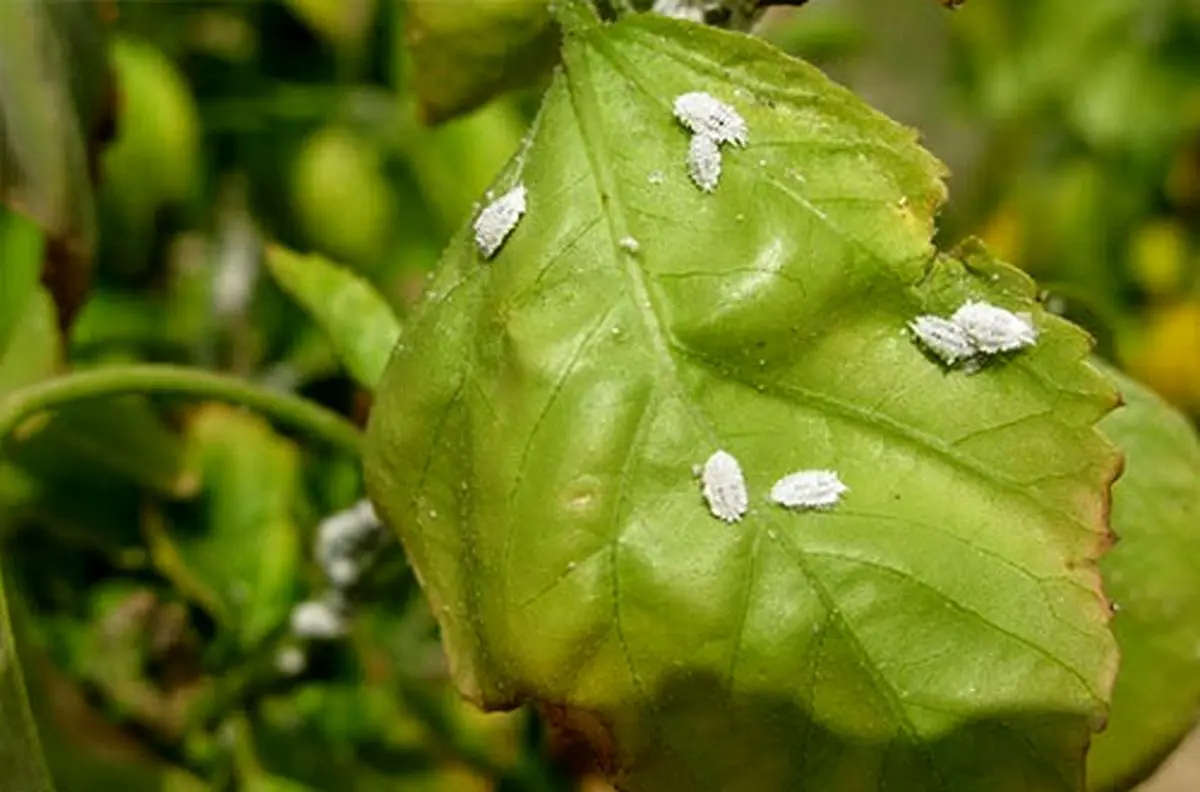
<point x="113" y="381"/>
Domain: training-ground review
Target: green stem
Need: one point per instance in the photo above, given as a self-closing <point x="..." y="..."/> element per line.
<point x="575" y="16"/>
<point x="112" y="381"/>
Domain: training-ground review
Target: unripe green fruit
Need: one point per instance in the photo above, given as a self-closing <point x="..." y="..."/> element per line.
<point x="340" y="196"/>
<point x="157" y="149"/>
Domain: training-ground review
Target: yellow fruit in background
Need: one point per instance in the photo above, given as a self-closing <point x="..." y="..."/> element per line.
<point x="340" y="197"/>
<point x="1003" y="233"/>
<point x="1157" y="256"/>
<point x="1167" y="354"/>
<point x="157" y="149"/>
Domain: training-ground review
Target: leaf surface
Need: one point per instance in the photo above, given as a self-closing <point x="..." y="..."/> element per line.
<point x="534" y="437"/>
<point x="241" y="557"/>
<point x="21" y="245"/>
<point x="22" y="764"/>
<point x="355" y="318"/>
<point x="1153" y="576"/>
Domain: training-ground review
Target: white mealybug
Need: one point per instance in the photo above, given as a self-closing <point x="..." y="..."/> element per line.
<point x="809" y="489"/>
<point x="317" y="620"/>
<point x="680" y="9"/>
<point x="346" y="543"/>
<point x="724" y="487"/>
<point x="704" y="114"/>
<point x="704" y="162"/>
<point x="994" y="329"/>
<point x="944" y="338"/>
<point x="498" y="219"/>
<point x="290" y="661"/>
<point x="630" y="244"/>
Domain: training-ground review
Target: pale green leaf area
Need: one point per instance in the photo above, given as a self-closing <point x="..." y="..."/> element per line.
<point x="534" y="438"/>
<point x="21" y="245"/>
<point x="1153" y="576"/>
<point x="242" y="559"/>
<point x="356" y="319"/>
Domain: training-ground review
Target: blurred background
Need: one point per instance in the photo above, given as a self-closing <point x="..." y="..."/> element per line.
<point x="154" y="612"/>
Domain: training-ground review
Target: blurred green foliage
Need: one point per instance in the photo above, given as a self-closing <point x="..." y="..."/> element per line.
<point x="153" y="552"/>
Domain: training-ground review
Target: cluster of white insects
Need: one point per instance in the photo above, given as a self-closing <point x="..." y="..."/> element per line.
<point x="975" y="332"/>
<point x="713" y="124"/>
<point x="347" y="544"/>
<point x="724" y="488"/>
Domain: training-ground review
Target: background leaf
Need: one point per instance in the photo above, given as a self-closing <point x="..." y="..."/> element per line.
<point x="21" y="762"/>
<point x="464" y="54"/>
<point x="534" y="434"/>
<point x="238" y="553"/>
<point x="359" y="324"/>
<point x="1153" y="576"/>
<point x="20" y="264"/>
<point x="55" y="103"/>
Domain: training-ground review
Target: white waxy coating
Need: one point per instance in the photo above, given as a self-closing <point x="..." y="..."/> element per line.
<point x="345" y="540"/>
<point x="498" y="219"/>
<point x="318" y="620"/>
<point x="704" y="162"/>
<point x="724" y="487"/>
<point x="809" y="489"/>
<point x="993" y="329"/>
<point x="704" y="114"/>
<point x="944" y="338"/>
<point x="630" y="244"/>
<point x="290" y="661"/>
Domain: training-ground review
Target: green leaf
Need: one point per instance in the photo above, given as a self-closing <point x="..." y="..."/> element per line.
<point x="466" y="53"/>
<point x="1153" y="576"/>
<point x="20" y="264"/>
<point x="242" y="559"/>
<point x="53" y="96"/>
<point x="533" y="439"/>
<point x="22" y="764"/>
<point x="106" y="440"/>
<point x="357" y="320"/>
<point x="34" y="347"/>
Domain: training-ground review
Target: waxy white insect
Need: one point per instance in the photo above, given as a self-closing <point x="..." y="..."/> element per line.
<point x="630" y="244"/>
<point x="691" y="10"/>
<point x="944" y="338"/>
<point x="995" y="329"/>
<point x="704" y="114"/>
<point x="724" y="487"/>
<point x="809" y="489"/>
<point x="317" y="620"/>
<point x="498" y="219"/>
<point x="975" y="331"/>
<point x="713" y="123"/>
<point x="704" y="162"/>
<point x="291" y="661"/>
<point x="346" y="543"/>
